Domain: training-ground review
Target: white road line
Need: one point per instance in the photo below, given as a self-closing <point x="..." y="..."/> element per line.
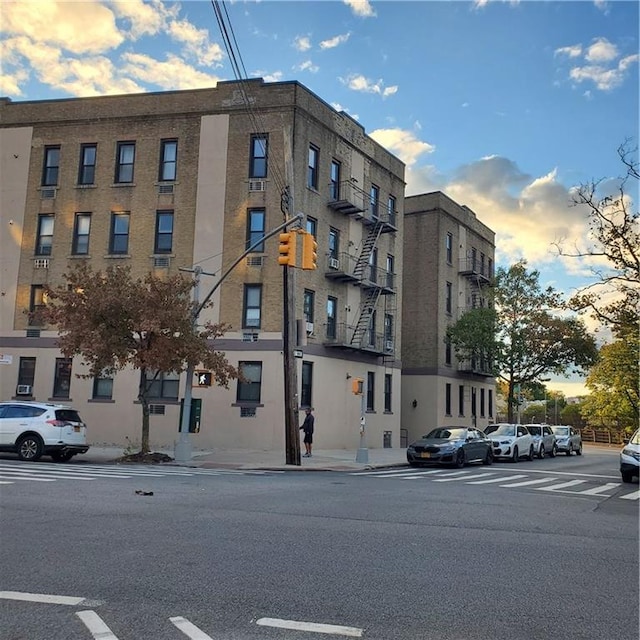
<point x="529" y="482"/>
<point x="411" y="474"/>
<point x="388" y="472"/>
<point x="454" y="473"/>
<point x="352" y="632"/>
<point x="98" y="629"/>
<point x="635" y="495"/>
<point x="26" y="478"/>
<point x="40" y="597"/>
<point x="562" y="485"/>
<point x="189" y="629"/>
<point x="478" y="475"/>
<point x="5" y="482"/>
<point x="501" y="479"/>
<point x="598" y="490"/>
<point x="20" y="475"/>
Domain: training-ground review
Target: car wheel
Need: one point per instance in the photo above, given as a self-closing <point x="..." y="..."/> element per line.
<point x="460" y="459"/>
<point x="579" y="450"/>
<point x="30" y="448"/>
<point x="627" y="476"/>
<point x="530" y="454"/>
<point x="516" y="455"/>
<point x="554" y="451"/>
<point x="541" y="452"/>
<point x="569" y="450"/>
<point x="488" y="459"/>
<point x="62" y="456"/>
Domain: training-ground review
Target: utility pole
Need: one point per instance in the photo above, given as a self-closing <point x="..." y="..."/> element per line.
<point x="362" y="454"/>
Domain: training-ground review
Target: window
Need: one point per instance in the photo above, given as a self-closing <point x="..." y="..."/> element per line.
<point x="168" y="161"/>
<point x="103" y="387"/>
<point x="51" y="166"/>
<point x="447" y="399"/>
<point x="249" y="382"/>
<point x="255" y="228"/>
<point x="119" y="238"/>
<point x="388" y="381"/>
<point x="312" y="170"/>
<point x="307" y="383"/>
<point x="334" y="184"/>
<point x="482" y="264"/>
<point x="388" y="330"/>
<point x="87" y="169"/>
<point x="332" y="310"/>
<point x="474" y="259"/>
<point x="482" y="403"/>
<point x="473" y="402"/>
<point x="62" y="378"/>
<point x="447" y="351"/>
<point x="374" y="199"/>
<point x="44" y="239"/>
<point x="373" y="265"/>
<point x="461" y="400"/>
<point x="36" y="304"/>
<point x="307" y="304"/>
<point x="164" y="232"/>
<point x="312" y="226"/>
<point x="334" y="243"/>
<point x="490" y="403"/>
<point x="371" y="390"/>
<point x="124" y="162"/>
<point x="390" y="270"/>
<point x="81" y="228"/>
<point x="252" y="306"/>
<point x="258" y="161"/>
<point x="449" y="248"/>
<point x="391" y="209"/>
<point x="449" y="295"/>
<point x="372" y="329"/>
<point x="162" y="385"/>
<point x="489" y="267"/>
<point x="27" y="372"/>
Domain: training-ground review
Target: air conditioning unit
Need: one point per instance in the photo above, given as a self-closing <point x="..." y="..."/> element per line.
<point x="334" y="263"/>
<point x="388" y="345"/>
<point x="23" y="390"/>
<point x="161" y="262"/>
<point x="165" y="189"/>
<point x="41" y="263"/>
<point x="309" y="328"/>
<point x="256" y="185"/>
<point x="48" y="194"/>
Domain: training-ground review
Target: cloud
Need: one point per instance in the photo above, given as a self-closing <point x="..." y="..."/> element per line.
<point x="335" y="41"/>
<point x="338" y="107"/>
<point x="144" y="18"/>
<point x="402" y="143"/>
<point x="572" y="52"/>
<point x="302" y="43"/>
<point x="196" y="42"/>
<point x="360" y="83"/>
<point x="172" y="74"/>
<point x="361" y="8"/>
<point x="603" y="78"/>
<point x="601" y="51"/>
<point x="307" y="65"/>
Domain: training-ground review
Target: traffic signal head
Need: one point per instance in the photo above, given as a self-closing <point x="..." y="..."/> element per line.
<point x="204" y="378"/>
<point x="287" y="249"/>
<point x="309" y="251"/>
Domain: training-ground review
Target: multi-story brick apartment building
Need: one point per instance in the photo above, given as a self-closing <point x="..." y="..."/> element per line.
<point x="171" y="180"/>
<point x="448" y="265"/>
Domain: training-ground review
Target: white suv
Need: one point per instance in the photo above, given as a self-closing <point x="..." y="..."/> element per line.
<point x="512" y="441"/>
<point x="33" y="429"/>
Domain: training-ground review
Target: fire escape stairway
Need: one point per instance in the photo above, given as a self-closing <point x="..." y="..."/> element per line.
<point x="369" y="243"/>
<point x="367" y="307"/>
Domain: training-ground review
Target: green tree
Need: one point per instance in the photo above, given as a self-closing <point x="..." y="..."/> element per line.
<point x="529" y="336"/>
<point x="571" y="414"/>
<point x="114" y="321"/>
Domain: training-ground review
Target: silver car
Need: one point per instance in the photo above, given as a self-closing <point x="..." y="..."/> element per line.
<point x="544" y="440"/>
<point x="568" y="440"/>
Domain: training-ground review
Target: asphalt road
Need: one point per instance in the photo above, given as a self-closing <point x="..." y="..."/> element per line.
<point x="397" y="555"/>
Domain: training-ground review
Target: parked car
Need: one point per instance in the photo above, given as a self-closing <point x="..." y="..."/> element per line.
<point x="455" y="446"/>
<point x="512" y="441"/>
<point x="630" y="458"/>
<point x="34" y="429"/>
<point x="544" y="440"/>
<point x="568" y="440"/>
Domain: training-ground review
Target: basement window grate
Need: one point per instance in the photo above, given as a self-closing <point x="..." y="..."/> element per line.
<point x="156" y="409"/>
<point x="33" y="333"/>
<point x="247" y="412"/>
<point x="255" y="261"/>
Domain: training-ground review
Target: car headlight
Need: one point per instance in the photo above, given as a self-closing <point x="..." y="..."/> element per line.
<point x="505" y="441"/>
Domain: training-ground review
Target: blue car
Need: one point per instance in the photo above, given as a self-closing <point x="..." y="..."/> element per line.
<point x="455" y="446"/>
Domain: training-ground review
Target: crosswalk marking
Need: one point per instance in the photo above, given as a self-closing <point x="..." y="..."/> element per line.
<point x="501" y="479"/>
<point x="635" y="495"/>
<point x="189" y="629"/>
<point x="98" y="629"/>
<point x="601" y="489"/>
<point x="562" y="485"/>
<point x="478" y="475"/>
<point x="526" y="483"/>
<point x="26" y="478"/>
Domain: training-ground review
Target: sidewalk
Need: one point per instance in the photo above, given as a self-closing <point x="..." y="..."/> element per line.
<point x="249" y="459"/>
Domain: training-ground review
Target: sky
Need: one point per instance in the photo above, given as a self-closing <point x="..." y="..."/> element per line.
<point x="506" y="106"/>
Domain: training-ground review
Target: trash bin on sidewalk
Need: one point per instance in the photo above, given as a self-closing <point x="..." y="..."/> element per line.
<point x="386" y="439"/>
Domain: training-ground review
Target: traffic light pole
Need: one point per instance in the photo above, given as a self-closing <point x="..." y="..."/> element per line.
<point x="182" y="448"/>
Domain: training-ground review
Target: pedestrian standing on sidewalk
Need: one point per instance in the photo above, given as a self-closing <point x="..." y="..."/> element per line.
<point x="307" y="427"/>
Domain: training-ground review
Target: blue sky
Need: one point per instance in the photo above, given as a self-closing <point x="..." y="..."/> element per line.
<point x="505" y="106"/>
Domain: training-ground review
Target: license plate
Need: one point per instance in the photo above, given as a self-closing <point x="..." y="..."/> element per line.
<point x="425" y="455"/>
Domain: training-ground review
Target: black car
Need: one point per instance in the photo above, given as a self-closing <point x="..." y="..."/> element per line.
<point x="454" y="446"/>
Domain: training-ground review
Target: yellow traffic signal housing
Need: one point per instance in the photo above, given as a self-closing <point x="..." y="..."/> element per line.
<point x="287" y="249"/>
<point x="357" y="386"/>
<point x="309" y="251"/>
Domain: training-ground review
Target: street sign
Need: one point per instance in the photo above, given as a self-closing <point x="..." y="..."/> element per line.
<point x="297" y="353"/>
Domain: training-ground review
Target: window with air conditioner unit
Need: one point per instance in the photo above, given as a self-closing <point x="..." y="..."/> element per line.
<point x="388" y="345"/>
<point x="23" y="390"/>
<point x="334" y="263"/>
<point x="309" y="328"/>
<point x="256" y="185"/>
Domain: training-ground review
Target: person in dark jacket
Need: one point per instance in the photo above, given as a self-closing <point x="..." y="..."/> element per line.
<point x="307" y="427"/>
